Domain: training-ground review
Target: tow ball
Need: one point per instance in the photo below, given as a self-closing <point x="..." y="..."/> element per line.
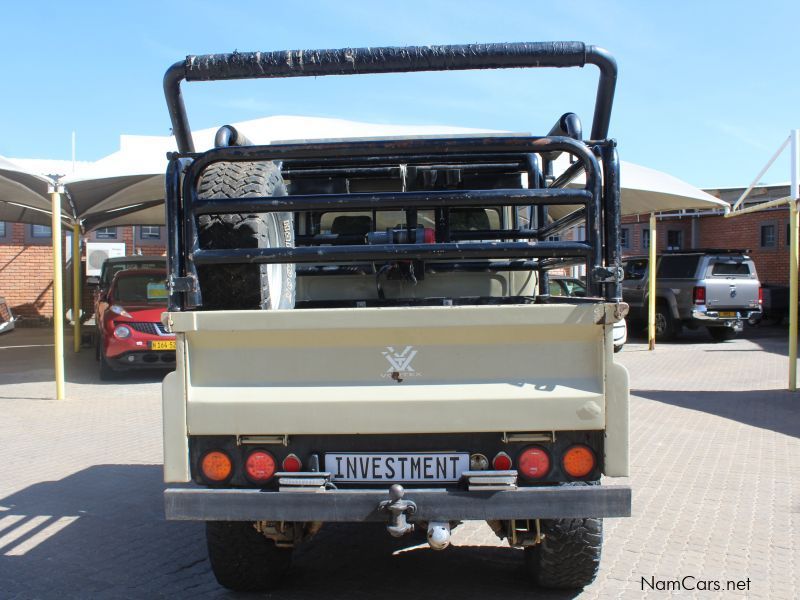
<point x="400" y="509"/>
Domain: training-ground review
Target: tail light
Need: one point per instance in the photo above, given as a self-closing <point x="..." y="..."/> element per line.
<point x="699" y="294"/>
<point x="502" y="462"/>
<point x="579" y="460"/>
<point x="259" y="466"/>
<point x="760" y="296"/>
<point x="534" y="462"/>
<point x="216" y="466"/>
<point x="292" y="463"/>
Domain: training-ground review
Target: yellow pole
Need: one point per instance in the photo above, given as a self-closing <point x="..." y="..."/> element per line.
<point x="76" y="287"/>
<point x="58" y="290"/>
<point x="793" y="256"/>
<point x="651" y="286"/>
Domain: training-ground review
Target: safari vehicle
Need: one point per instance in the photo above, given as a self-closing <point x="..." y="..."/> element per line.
<point x="365" y="330"/>
<point x="713" y="288"/>
<point x="574" y="286"/>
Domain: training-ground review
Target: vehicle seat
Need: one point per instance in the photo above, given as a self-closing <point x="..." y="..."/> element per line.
<point x="351" y="225"/>
<point x="469" y="219"/>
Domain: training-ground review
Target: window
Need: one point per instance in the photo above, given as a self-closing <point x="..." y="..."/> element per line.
<point x="105" y="233"/>
<point x="3" y="229"/>
<point x="40" y="231"/>
<point x="624" y="237"/>
<point x="149" y="232"/>
<point x="768" y="236"/>
<point x="553" y="238"/>
<point x="635" y="269"/>
<point x="645" y="238"/>
<point x="674" y="239"/>
<point x="678" y="267"/>
<point x="731" y="268"/>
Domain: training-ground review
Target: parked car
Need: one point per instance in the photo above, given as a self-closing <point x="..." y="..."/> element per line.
<point x="131" y="333"/>
<point x="110" y="268"/>
<point x="716" y="289"/>
<point x="6" y="316"/>
<point x="572" y="286"/>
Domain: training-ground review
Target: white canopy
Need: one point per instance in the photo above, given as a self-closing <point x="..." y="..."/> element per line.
<point x="122" y="188"/>
<point x="24" y="197"/>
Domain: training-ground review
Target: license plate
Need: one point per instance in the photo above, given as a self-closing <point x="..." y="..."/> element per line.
<point x="727" y="314"/>
<point x="163" y="345"/>
<point x="431" y="467"/>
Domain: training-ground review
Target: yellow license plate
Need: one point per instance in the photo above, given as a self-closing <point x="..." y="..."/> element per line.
<point x="165" y="345"/>
<point x="727" y="314"/>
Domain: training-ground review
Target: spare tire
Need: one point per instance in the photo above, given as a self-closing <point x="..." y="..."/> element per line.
<point x="245" y="286"/>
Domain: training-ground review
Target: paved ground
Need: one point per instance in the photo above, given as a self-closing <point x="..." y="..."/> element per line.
<point x="715" y="449"/>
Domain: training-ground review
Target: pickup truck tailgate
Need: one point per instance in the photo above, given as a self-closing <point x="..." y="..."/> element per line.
<point x="386" y="370"/>
<point x="731" y="284"/>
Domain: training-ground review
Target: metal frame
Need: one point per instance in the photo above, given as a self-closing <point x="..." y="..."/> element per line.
<point x="351" y="61"/>
<point x="597" y="201"/>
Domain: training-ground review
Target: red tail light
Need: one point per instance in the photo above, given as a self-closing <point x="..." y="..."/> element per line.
<point x="501" y="462"/>
<point x="534" y="463"/>
<point x="761" y="296"/>
<point x="699" y="294"/>
<point x="260" y="466"/>
<point x="292" y="463"/>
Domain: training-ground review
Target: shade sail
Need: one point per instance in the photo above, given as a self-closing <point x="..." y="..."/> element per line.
<point x="122" y="188"/>
<point x="646" y="190"/>
<point x="135" y="174"/>
<point x="24" y="197"/>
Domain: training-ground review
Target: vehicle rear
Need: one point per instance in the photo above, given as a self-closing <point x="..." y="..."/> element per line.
<point x="366" y="332"/>
<point x="732" y="288"/>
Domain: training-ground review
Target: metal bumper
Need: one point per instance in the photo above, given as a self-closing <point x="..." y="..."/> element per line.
<point x="709" y="317"/>
<point x="201" y="504"/>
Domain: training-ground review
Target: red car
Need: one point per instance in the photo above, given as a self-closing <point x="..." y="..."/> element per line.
<point x="131" y="333"/>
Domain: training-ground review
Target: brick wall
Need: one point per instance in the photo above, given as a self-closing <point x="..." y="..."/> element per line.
<point x="26" y="273"/>
<point x="744" y="231"/>
<point x="26" y="279"/>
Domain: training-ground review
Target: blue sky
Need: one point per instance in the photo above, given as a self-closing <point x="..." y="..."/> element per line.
<point x="707" y="90"/>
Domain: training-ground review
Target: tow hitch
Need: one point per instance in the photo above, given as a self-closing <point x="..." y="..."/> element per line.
<point x="400" y="509"/>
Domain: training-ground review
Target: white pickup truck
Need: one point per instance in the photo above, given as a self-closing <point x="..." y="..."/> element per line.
<point x="365" y="330"/>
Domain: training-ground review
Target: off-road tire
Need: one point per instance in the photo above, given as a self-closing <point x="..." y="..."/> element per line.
<point x="721" y="334"/>
<point x="666" y="327"/>
<point x="266" y="286"/>
<point x="569" y="555"/>
<point x="242" y="559"/>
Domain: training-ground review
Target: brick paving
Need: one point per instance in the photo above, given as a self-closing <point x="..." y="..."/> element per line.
<point x="715" y="448"/>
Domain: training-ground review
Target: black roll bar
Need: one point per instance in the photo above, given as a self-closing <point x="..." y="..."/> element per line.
<point x="350" y="61"/>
